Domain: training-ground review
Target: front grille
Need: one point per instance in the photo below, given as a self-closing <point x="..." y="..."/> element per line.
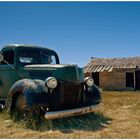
<point x="72" y="95"/>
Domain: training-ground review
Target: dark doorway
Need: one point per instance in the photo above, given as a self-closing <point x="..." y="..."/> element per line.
<point x="95" y="76"/>
<point x="137" y="79"/>
<point x="129" y="79"/>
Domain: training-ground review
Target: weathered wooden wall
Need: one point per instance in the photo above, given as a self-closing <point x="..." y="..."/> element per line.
<point x="112" y="80"/>
<point x="87" y="74"/>
<point x="115" y="80"/>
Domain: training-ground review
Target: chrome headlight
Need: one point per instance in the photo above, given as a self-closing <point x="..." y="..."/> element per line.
<point x="89" y="81"/>
<point x="51" y="82"/>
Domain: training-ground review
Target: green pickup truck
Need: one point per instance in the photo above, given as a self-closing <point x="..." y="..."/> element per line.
<point x="32" y="78"/>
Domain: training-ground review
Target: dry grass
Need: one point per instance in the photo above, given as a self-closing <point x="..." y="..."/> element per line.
<point x="118" y="117"/>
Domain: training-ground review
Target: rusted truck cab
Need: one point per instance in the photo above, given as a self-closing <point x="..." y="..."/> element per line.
<point x="31" y="78"/>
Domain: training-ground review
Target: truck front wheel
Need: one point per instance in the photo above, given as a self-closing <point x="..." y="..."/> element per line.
<point x="21" y="107"/>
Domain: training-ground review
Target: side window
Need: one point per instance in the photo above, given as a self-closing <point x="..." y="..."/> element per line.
<point x="8" y="57"/>
<point x="47" y="58"/>
<point x="53" y="59"/>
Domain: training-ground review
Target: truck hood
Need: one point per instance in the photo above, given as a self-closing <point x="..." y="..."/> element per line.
<point x="59" y="71"/>
<point x="53" y="66"/>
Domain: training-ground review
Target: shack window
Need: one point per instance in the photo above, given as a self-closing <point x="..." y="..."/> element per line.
<point x="129" y="79"/>
<point x="8" y="57"/>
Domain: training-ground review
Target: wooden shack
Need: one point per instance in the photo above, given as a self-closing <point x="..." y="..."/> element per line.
<point x="115" y="73"/>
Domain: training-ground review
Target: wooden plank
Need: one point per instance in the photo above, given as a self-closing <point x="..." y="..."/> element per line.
<point x="104" y="67"/>
<point x="96" y="68"/>
<point x="107" y="68"/>
<point x="110" y="70"/>
<point x="99" y="69"/>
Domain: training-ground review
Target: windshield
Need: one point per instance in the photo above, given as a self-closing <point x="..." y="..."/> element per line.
<point x="34" y="56"/>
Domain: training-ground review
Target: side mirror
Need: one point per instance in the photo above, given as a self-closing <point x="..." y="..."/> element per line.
<point x="1" y="58"/>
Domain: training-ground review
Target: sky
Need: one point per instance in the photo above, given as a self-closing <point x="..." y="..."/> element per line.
<point x="77" y="31"/>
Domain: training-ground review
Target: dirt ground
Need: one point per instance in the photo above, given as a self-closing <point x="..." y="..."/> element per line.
<point x="118" y="117"/>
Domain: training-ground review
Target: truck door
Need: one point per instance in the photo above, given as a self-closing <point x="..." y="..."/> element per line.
<point x="7" y="73"/>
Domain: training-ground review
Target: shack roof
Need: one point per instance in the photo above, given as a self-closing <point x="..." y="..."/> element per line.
<point x="108" y="64"/>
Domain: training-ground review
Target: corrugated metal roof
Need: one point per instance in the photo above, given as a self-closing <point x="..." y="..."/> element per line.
<point x="108" y="64"/>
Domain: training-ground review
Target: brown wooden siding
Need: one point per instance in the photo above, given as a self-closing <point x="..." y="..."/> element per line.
<point x="115" y="80"/>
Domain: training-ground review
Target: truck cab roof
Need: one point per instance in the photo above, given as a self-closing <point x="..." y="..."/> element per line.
<point x="14" y="46"/>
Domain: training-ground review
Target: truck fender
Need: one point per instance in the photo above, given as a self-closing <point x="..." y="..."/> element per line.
<point x="93" y="94"/>
<point x="25" y="87"/>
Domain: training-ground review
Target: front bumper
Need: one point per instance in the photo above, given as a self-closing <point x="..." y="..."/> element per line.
<point x="71" y="112"/>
